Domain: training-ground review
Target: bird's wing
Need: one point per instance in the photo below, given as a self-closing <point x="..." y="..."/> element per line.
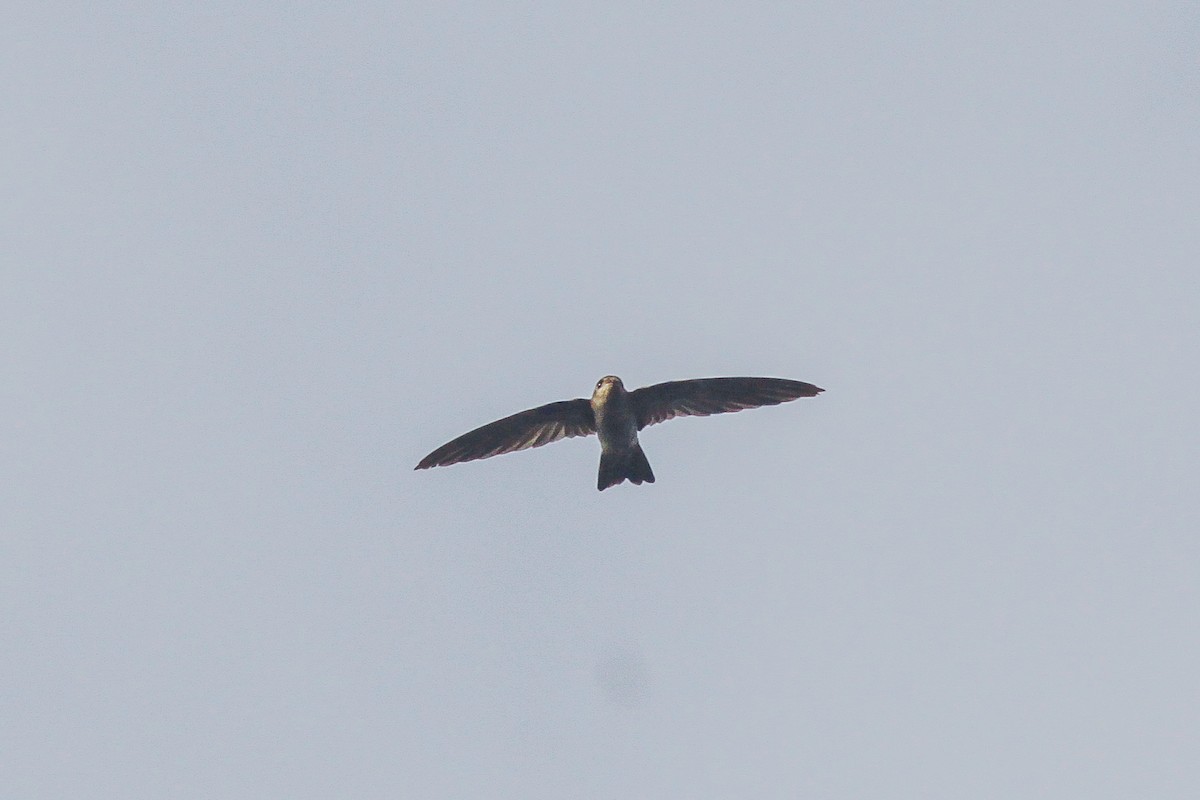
<point x="532" y="428"/>
<point x="704" y="396"/>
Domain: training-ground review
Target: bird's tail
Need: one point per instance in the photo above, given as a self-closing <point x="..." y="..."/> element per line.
<point x="616" y="467"/>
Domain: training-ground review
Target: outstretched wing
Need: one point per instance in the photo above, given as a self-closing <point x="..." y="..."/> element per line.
<point x="704" y="396"/>
<point x="532" y="428"/>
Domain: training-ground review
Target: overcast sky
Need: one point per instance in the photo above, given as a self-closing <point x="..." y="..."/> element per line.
<point x="261" y="258"/>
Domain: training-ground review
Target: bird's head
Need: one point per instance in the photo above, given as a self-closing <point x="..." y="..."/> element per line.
<point x="607" y="384"/>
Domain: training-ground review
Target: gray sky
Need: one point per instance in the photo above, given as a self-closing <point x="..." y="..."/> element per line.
<point x="259" y="261"/>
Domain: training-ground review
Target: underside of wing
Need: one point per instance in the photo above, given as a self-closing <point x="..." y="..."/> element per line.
<point x="704" y="396"/>
<point x="532" y="428"/>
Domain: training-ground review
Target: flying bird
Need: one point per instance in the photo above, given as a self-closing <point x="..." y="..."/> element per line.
<point x="616" y="416"/>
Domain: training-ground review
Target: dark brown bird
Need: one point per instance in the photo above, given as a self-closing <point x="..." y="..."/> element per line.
<point x="616" y="416"/>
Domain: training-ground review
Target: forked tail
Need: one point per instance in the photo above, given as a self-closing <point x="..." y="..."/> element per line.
<point x="616" y="467"/>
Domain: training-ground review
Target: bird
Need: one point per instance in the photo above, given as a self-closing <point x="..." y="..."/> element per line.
<point x="616" y="416"/>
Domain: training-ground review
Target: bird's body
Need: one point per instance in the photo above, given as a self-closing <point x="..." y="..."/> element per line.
<point x="621" y="454"/>
<point x="616" y="425"/>
<point x="615" y="416"/>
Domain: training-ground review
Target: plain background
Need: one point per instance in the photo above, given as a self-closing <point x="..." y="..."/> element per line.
<point x="259" y="259"/>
